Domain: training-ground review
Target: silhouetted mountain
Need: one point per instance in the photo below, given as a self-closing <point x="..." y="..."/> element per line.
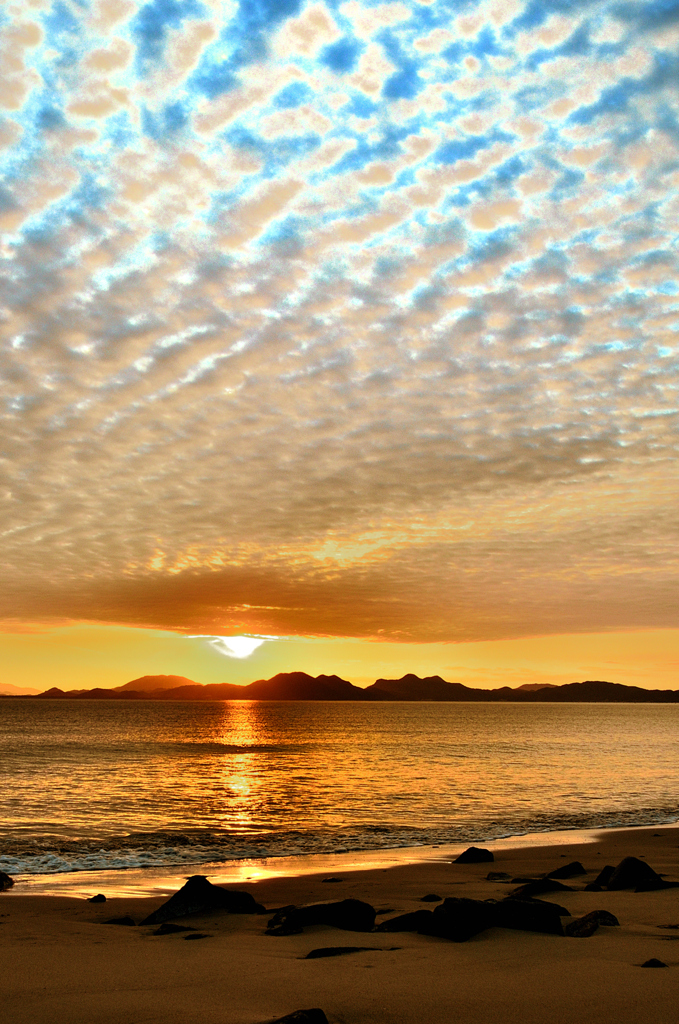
<point x="536" y="686"/>
<point x="300" y="686"/>
<point x="411" y="687"/>
<point x="157" y="683"/>
<point x="598" y="691"/>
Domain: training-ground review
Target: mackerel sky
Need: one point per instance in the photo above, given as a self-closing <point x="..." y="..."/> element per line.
<point x="345" y="319"/>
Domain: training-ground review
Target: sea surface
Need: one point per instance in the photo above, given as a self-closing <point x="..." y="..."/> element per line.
<point x="98" y="785"/>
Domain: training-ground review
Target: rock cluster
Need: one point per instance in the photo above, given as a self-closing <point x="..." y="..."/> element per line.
<point x="198" y="895"/>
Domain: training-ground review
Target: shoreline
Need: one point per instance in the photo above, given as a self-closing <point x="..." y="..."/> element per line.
<point x="155" y="880"/>
<point x="68" y="966"/>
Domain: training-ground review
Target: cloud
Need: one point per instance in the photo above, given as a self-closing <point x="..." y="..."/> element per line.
<point x="340" y="318"/>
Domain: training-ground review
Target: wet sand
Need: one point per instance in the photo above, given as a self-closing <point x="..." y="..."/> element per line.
<point x="63" y="965"/>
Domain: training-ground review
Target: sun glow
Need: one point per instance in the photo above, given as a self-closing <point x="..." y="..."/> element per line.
<point x="233" y="646"/>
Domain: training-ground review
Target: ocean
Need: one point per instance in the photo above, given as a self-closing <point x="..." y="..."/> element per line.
<point x="99" y="785"/>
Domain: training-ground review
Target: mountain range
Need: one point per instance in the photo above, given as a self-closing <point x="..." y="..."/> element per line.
<point x="300" y="686"/>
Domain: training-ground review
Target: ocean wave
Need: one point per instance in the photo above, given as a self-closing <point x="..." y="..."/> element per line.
<point x="169" y="849"/>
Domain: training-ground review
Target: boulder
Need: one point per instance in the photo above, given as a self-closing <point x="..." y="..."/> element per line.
<point x="601" y="880"/>
<point x="322" y="951"/>
<point x="563" y="911"/>
<point x="585" y="926"/>
<point x="654" y="963"/>
<point x="631" y="873"/>
<point x="314" y="1016"/>
<point x="459" y="919"/>
<point x="406" y="922"/>
<point x="529" y="916"/>
<point x="350" y="915"/>
<point x="474" y="855"/>
<point x="582" y="927"/>
<point x="538" y="886"/>
<point x="198" y="895"/>
<point x="431" y="897"/>
<point x="6" y="882"/>
<point x="567" y="870"/>
<point x="656" y="883"/>
<point x="99" y="898"/>
<point x="172" y="929"/>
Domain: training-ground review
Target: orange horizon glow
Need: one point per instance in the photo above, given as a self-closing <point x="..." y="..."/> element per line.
<point x="85" y="656"/>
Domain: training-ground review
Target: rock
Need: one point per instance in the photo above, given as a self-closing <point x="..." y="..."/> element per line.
<point x="314" y="1016"/>
<point x="315" y="954"/>
<point x="6" y="882"/>
<point x="529" y="916"/>
<point x="333" y="879"/>
<point x="406" y="922"/>
<point x="497" y="876"/>
<point x="601" y="880"/>
<point x="563" y="911"/>
<point x="197" y="935"/>
<point x="474" y="855"/>
<point x="538" y="886"/>
<point x="99" y="898"/>
<point x="198" y="895"/>
<point x="172" y="929"/>
<point x="350" y="915"/>
<point x="656" y="883"/>
<point x="119" y="920"/>
<point x="431" y="897"/>
<point x="459" y="919"/>
<point x="630" y="873"/>
<point x="583" y="927"/>
<point x="567" y="870"/>
<point x="654" y="963"/>
<point x="606" y="918"/>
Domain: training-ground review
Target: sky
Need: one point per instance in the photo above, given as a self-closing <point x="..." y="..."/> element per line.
<point x="349" y="324"/>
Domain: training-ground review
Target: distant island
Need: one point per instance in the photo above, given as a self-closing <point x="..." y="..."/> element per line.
<point x="300" y="686"/>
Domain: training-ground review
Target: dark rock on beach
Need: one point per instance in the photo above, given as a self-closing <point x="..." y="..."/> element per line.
<point x="654" y="963"/>
<point x="322" y="951"/>
<point x="654" y="884"/>
<point x="99" y="898"/>
<point x="431" y="897"/>
<point x="314" y="1016"/>
<point x="538" y="886"/>
<point x="529" y="916"/>
<point x="474" y="855"/>
<point x="585" y="926"/>
<point x="458" y="919"/>
<point x="567" y="870"/>
<point x="199" y="895"/>
<point x="412" y="922"/>
<point x="631" y="873"/>
<point x="350" y="915"/>
<point x="497" y="876"/>
<point x="6" y="882"/>
<point x="601" y="880"/>
<point x="172" y="929"/>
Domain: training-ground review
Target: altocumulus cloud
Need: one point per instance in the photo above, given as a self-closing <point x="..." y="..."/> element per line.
<point x="340" y="318"/>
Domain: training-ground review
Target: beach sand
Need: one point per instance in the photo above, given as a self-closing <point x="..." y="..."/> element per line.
<point x="62" y="965"/>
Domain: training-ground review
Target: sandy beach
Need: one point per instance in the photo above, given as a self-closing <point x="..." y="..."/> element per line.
<point x="64" y="965"/>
